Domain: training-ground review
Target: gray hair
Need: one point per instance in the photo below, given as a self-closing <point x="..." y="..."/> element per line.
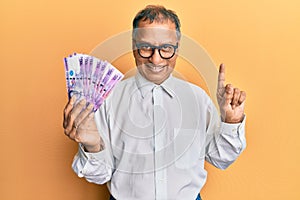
<point x="157" y="14"/>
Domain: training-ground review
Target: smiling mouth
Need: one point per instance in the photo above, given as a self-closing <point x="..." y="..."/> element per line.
<point x="155" y="68"/>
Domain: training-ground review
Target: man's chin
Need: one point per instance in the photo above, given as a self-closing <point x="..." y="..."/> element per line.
<point x="156" y="78"/>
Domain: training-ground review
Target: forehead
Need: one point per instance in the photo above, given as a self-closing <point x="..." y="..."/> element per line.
<point x="156" y="32"/>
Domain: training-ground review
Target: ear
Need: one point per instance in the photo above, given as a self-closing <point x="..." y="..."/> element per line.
<point x="134" y="50"/>
<point x="177" y="50"/>
<point x="133" y="47"/>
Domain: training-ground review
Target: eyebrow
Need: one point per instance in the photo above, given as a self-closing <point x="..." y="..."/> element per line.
<point x="149" y="42"/>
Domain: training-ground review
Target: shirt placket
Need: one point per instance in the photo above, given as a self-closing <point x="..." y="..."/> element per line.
<point x="159" y="142"/>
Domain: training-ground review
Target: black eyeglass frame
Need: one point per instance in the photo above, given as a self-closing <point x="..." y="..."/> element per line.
<point x="159" y="48"/>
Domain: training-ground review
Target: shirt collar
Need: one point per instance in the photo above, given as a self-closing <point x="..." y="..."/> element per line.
<point x="146" y="86"/>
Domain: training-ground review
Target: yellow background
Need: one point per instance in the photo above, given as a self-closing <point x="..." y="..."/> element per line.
<point x="258" y="41"/>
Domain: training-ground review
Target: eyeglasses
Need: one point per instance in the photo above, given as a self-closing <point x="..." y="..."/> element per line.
<point x="166" y="51"/>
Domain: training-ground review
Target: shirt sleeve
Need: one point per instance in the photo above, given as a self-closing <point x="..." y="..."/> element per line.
<point x="96" y="167"/>
<point x="92" y="166"/>
<point x="225" y="142"/>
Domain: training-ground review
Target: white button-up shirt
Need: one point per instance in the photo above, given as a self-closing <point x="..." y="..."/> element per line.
<point x="157" y="138"/>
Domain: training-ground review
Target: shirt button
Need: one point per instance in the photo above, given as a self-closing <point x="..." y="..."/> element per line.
<point x="240" y="148"/>
<point x="241" y="128"/>
<point x="234" y="131"/>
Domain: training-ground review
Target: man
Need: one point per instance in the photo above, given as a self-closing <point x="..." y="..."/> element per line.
<point x="150" y="138"/>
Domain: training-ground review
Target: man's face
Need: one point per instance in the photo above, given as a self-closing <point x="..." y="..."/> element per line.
<point x="155" y="68"/>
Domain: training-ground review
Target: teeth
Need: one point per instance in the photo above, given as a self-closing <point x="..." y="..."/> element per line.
<point x="156" y="68"/>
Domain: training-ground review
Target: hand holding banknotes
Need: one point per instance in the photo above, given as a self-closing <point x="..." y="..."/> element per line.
<point x="89" y="82"/>
<point x="80" y="126"/>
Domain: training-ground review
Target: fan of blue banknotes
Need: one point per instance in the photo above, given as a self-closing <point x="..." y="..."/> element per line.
<point x="90" y="78"/>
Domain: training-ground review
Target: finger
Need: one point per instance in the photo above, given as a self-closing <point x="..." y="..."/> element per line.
<point x="83" y="114"/>
<point x="221" y="76"/>
<point x="85" y="124"/>
<point x="86" y="121"/>
<point x="242" y="97"/>
<point x="240" y="108"/>
<point x="236" y="97"/>
<point x="72" y="133"/>
<point x="67" y="110"/>
<point x="228" y="94"/>
<point x="67" y="133"/>
<point x="74" y="113"/>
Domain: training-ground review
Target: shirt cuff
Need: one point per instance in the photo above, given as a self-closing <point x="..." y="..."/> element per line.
<point x="88" y="164"/>
<point x="233" y="129"/>
<point x="236" y="132"/>
<point x="101" y="155"/>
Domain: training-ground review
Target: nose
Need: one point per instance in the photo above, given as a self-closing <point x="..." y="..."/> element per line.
<point x="155" y="58"/>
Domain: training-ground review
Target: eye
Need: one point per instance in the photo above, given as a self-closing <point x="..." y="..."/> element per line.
<point x="145" y="47"/>
<point x="167" y="48"/>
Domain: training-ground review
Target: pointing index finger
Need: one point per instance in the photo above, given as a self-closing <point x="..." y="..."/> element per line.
<point x="221" y="76"/>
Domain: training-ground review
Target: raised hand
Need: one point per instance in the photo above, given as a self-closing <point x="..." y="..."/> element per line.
<point x="231" y="100"/>
<point x="80" y="126"/>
